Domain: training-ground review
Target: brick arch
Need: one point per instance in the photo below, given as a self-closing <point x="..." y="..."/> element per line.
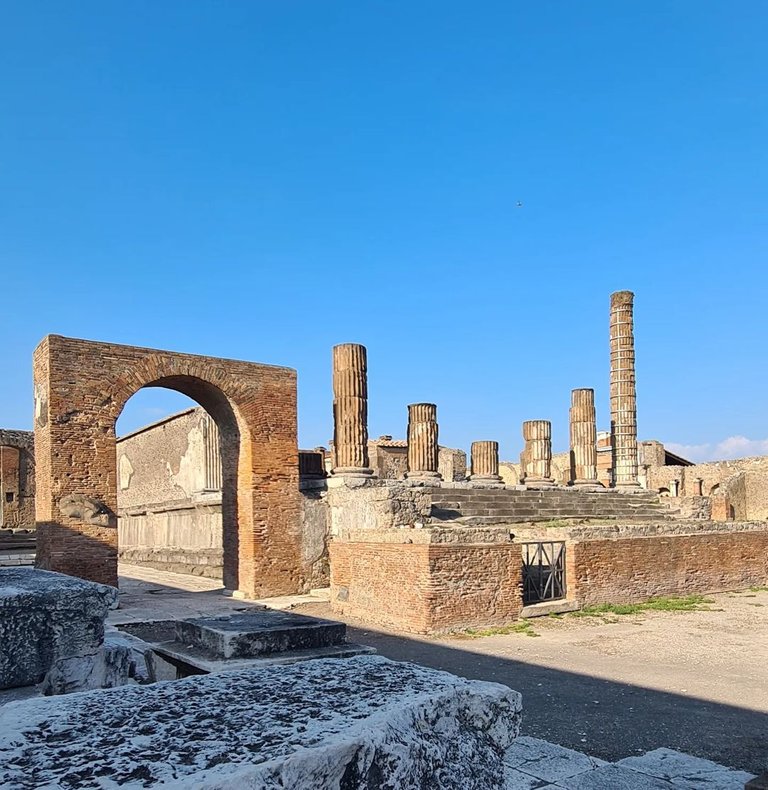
<point x="81" y="388"/>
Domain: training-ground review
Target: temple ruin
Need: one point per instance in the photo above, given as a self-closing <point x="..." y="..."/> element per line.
<point x="223" y="491"/>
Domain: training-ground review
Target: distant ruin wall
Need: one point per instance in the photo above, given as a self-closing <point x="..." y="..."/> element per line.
<point x="17" y="480"/>
<point x="630" y="570"/>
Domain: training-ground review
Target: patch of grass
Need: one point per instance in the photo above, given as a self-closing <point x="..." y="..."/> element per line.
<point x="520" y="627"/>
<point x="758" y="589"/>
<point x="689" y="603"/>
<point x="555" y="522"/>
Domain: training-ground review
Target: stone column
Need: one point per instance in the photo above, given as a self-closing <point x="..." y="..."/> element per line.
<point x="674" y="488"/>
<point x="485" y="462"/>
<point x="623" y="398"/>
<point x="583" y="439"/>
<point x="537" y="455"/>
<point x="423" y="450"/>
<point x="350" y="410"/>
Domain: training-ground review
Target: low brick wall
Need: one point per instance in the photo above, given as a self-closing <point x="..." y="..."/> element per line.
<point x="437" y="580"/>
<point x="426" y="587"/>
<point x="629" y="570"/>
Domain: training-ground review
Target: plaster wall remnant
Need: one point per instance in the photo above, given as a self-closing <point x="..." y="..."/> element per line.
<point x="623" y="397"/>
<point x="485" y="462"/>
<point x="423" y="450"/>
<point x="583" y="438"/>
<point x="84" y="386"/>
<point x="350" y="410"/>
<point x="537" y="453"/>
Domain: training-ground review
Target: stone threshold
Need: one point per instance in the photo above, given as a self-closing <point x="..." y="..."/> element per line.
<point x="548" y="607"/>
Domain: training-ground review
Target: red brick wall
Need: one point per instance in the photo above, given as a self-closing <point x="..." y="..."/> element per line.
<point x="80" y="390"/>
<point x="635" y="569"/>
<point x="427" y="588"/>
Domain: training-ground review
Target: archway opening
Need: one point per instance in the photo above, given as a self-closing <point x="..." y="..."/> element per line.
<point x="177" y="448"/>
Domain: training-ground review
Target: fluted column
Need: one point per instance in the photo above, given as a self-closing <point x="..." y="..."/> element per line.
<point x="623" y="396"/>
<point x="422" y="442"/>
<point x="485" y="462"/>
<point x="350" y="410"/>
<point x="537" y="455"/>
<point x="583" y="439"/>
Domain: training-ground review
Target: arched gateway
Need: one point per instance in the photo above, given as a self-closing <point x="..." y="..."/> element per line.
<point x="80" y="390"/>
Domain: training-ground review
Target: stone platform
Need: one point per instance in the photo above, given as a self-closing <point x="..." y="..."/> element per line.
<point x="262" y="633"/>
<point x="363" y="722"/>
<point x="245" y="640"/>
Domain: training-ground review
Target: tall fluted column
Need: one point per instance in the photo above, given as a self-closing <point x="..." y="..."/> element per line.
<point x="537" y="455"/>
<point x="623" y="396"/>
<point x="584" y="439"/>
<point x="350" y="410"/>
<point x="422" y="442"/>
<point x="485" y="462"/>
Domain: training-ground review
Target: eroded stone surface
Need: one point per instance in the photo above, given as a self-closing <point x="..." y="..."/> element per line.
<point x="685" y="771"/>
<point x="47" y="617"/>
<point x="356" y="723"/>
<point x="259" y="633"/>
<point x="548" y="761"/>
<point x="122" y="659"/>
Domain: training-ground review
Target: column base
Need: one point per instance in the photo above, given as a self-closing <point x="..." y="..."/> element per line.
<point x="588" y="485"/>
<point x="490" y="480"/>
<point x="352" y="471"/>
<point x="539" y="482"/>
<point x="630" y="485"/>
<point x="424" y="477"/>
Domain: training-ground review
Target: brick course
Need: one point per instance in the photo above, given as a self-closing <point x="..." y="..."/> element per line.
<point x="80" y="390"/>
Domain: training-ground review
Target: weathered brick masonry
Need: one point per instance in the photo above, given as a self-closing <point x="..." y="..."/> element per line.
<point x="635" y="569"/>
<point x="426" y="587"/>
<point x="80" y="390"/>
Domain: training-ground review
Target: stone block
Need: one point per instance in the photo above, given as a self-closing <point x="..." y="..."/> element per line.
<point x="47" y="617"/>
<point x="363" y="722"/>
<point x="259" y="633"/>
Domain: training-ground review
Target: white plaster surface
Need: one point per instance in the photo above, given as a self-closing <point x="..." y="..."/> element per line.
<point x="363" y="722"/>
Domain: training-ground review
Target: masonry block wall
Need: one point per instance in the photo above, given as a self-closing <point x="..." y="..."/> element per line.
<point x="426" y="587"/>
<point x="635" y="569"/>
<point x="80" y="390"/>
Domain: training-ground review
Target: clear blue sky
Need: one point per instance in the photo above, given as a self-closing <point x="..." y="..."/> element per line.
<point x="261" y="180"/>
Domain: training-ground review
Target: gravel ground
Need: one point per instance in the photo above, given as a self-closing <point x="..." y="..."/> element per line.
<point x="612" y="687"/>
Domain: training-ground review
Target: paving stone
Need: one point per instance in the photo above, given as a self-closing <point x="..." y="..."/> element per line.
<point x="611" y="777"/>
<point x="686" y="771"/>
<point x="352" y="723"/>
<point x="547" y="761"/>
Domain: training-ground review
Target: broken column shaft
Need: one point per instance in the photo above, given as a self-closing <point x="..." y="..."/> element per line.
<point x="583" y="439"/>
<point x="350" y="410"/>
<point x="623" y="396"/>
<point x="422" y="442"/>
<point x="537" y="455"/>
<point x="485" y="462"/>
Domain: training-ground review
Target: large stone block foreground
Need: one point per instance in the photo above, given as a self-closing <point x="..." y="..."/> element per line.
<point x="363" y="722"/>
<point x="45" y="618"/>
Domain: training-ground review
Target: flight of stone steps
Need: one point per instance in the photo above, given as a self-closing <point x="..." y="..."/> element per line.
<point x="17" y="547"/>
<point x="488" y="506"/>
